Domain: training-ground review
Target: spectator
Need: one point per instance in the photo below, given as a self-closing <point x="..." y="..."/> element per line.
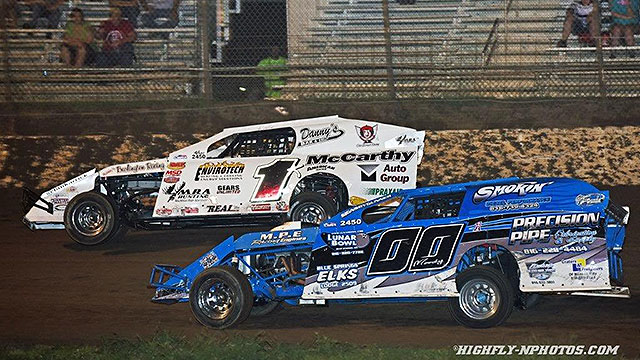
<point x="47" y="10"/>
<point x="118" y="36"/>
<point x="624" y="15"/>
<point x="271" y="68"/>
<point x="579" y="21"/>
<point x="130" y="9"/>
<point x="10" y="11"/>
<point x="77" y="41"/>
<point x="160" y="9"/>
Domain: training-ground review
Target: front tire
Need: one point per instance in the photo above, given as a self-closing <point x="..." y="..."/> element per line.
<point x="310" y="207"/>
<point x="91" y="218"/>
<point x="221" y="297"/>
<point x="486" y="298"/>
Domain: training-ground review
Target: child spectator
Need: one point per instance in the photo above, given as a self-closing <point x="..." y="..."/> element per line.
<point x="118" y="36"/>
<point x="579" y="21"/>
<point x="624" y="15"/>
<point x="77" y="42"/>
<point x="48" y="10"/>
<point x="160" y="9"/>
<point x="130" y="9"/>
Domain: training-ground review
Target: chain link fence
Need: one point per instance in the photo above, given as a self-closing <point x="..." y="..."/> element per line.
<point x="244" y="50"/>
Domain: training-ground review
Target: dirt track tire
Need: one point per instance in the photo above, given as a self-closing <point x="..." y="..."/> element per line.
<point x="221" y="297"/>
<point x="311" y="207"/>
<point x="486" y="298"/>
<point x="90" y="219"/>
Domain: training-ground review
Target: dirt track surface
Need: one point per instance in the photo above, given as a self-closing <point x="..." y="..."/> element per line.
<point x="57" y="292"/>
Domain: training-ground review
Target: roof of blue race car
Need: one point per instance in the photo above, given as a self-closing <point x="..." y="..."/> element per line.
<point x="507" y="195"/>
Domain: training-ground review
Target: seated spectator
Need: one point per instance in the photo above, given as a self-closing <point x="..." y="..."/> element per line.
<point x="44" y="11"/>
<point x="160" y="13"/>
<point x="77" y="41"/>
<point x="130" y="9"/>
<point x="624" y="16"/>
<point x="118" y="36"/>
<point x="10" y="11"/>
<point x="579" y="21"/>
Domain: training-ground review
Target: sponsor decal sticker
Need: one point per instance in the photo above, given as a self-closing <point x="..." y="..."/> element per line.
<point x="189" y="210"/>
<point x="260" y="207"/>
<point x="517" y="204"/>
<point x="521" y="189"/>
<point x="380" y="191"/>
<point x="540" y="270"/>
<point x="222" y="208"/>
<point x="279" y="237"/>
<point x="584" y="200"/>
<point x="314" y="136"/>
<point x="338" y="275"/>
<point x="209" y="260"/>
<point x="180" y="157"/>
<point x="406" y="140"/>
<point x="198" y="154"/>
<point x="216" y="171"/>
<point x="228" y="189"/>
<point x="178" y="193"/>
<point x="368" y="173"/>
<point x="176" y="165"/>
<point x="164" y="211"/>
<point x="367" y="134"/>
<point x="347" y="241"/>
<point x="386" y="156"/>
<point x="282" y="206"/>
<point x="171" y="179"/>
<point x="527" y="229"/>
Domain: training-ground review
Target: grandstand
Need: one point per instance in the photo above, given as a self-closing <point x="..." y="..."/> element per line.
<point x="166" y="61"/>
<point x="444" y="48"/>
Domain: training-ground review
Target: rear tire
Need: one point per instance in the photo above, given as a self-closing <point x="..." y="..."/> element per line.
<point x="310" y="207"/>
<point x="91" y="218"/>
<point x="221" y="297"/>
<point x="486" y="298"/>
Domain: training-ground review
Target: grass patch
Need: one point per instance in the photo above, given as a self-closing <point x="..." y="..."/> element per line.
<point x="167" y="346"/>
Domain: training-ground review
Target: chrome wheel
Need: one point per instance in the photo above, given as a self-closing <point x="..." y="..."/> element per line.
<point x="309" y="213"/>
<point x="89" y="218"/>
<point x="215" y="299"/>
<point x="479" y="299"/>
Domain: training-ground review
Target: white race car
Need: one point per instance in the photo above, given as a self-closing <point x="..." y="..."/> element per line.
<point x="303" y="170"/>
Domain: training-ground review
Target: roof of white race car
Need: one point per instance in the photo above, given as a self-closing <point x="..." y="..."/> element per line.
<point x="300" y="123"/>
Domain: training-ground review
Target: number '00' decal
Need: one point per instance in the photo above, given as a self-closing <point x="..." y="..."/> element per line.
<point x="400" y="249"/>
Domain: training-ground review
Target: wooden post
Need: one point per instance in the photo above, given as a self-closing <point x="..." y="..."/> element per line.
<point x="598" y="37"/>
<point x="5" y="51"/>
<point x="387" y="43"/>
<point x="205" y="49"/>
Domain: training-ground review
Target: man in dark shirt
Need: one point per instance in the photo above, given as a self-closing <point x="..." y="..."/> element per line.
<point x="48" y="10"/>
<point x="118" y="36"/>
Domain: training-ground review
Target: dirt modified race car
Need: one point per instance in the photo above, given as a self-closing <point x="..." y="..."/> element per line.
<point x="483" y="246"/>
<point x="304" y="170"/>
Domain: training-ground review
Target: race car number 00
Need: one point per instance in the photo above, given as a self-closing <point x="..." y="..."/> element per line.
<point x="416" y="249"/>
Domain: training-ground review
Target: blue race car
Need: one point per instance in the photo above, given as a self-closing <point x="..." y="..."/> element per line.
<point x="483" y="246"/>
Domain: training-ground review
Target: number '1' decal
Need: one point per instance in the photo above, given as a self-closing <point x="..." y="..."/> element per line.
<point x="272" y="179"/>
<point x="399" y="249"/>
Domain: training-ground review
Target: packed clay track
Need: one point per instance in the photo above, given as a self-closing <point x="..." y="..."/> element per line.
<point x="55" y="291"/>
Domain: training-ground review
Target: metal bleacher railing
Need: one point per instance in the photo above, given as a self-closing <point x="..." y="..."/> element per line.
<point x="363" y="49"/>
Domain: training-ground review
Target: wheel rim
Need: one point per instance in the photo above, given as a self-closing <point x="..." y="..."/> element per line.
<point x="479" y="299"/>
<point x="215" y="299"/>
<point x="309" y="213"/>
<point x="89" y="218"/>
